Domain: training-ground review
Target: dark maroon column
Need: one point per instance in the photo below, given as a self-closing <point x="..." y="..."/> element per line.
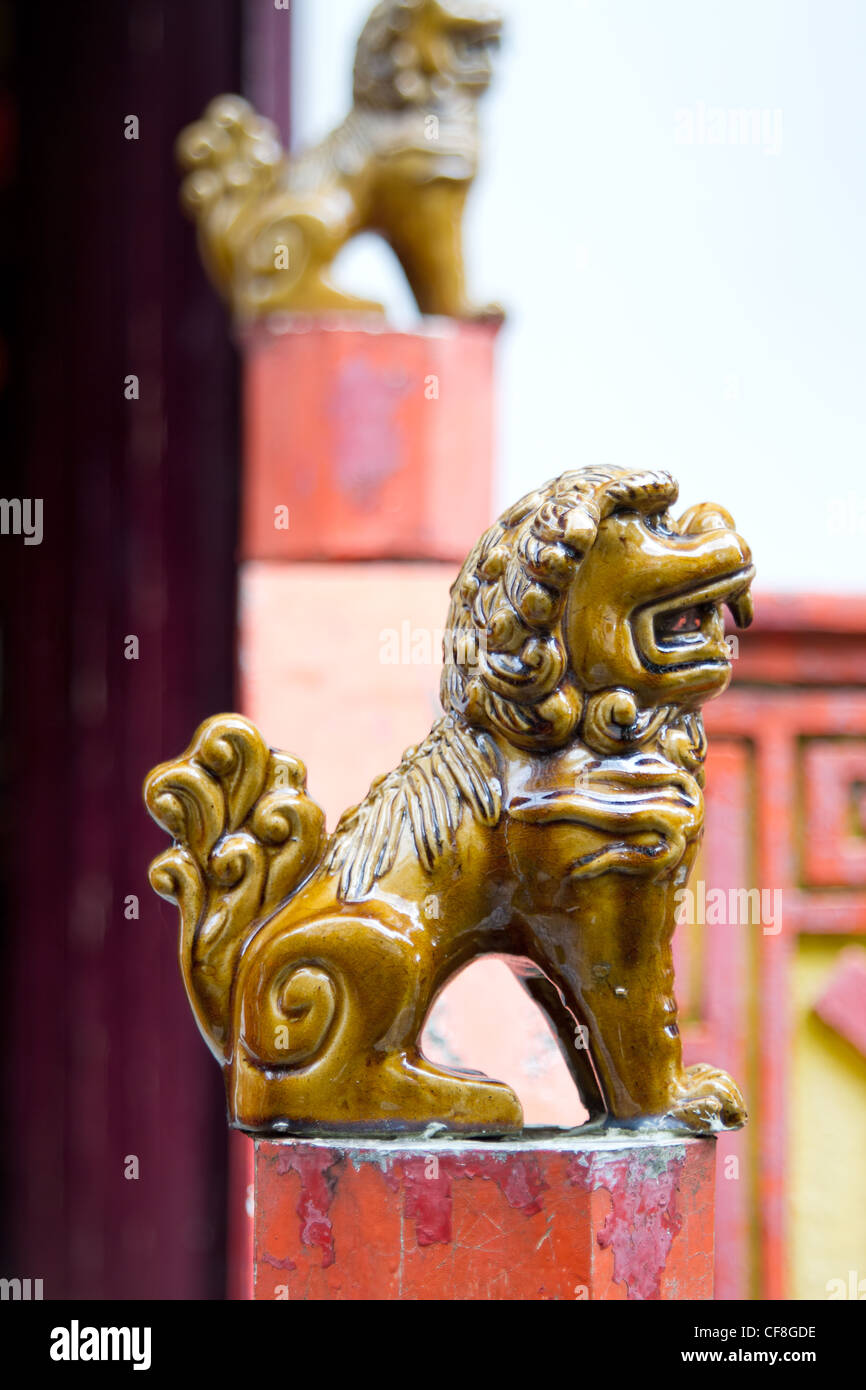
<point x="101" y="1059"/>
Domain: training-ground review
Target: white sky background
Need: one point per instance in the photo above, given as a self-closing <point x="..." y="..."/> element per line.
<point x="697" y="307"/>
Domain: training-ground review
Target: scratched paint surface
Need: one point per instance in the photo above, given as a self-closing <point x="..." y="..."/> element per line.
<point x="475" y="1221"/>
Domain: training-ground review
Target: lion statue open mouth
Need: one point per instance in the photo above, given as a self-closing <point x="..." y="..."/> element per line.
<point x="550" y="816"/>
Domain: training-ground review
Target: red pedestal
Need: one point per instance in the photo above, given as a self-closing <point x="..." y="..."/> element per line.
<point x="543" y="1217"/>
<point x="365" y="443"/>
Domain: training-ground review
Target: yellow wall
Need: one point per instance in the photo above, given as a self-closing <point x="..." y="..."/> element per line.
<point x="828" y="1130"/>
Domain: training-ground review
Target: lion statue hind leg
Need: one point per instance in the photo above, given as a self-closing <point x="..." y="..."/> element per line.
<point x="327" y="1018"/>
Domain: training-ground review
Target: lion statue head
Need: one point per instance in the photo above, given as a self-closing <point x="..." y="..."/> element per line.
<point x="596" y="614"/>
<point x="418" y="52"/>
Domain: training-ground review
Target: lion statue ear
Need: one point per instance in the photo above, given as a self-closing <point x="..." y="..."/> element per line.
<point x="706" y="516"/>
<point x="562" y="523"/>
<point x="579" y="529"/>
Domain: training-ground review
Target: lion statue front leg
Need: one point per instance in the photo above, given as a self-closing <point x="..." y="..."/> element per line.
<point x="604" y="858"/>
<point x="629" y="997"/>
<point x="610" y="957"/>
<point x="425" y="230"/>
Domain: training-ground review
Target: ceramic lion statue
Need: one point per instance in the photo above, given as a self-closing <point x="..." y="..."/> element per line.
<point x="550" y="816"/>
<point x="401" y="164"/>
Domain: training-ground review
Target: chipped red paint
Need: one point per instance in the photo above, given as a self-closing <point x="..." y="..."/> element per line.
<point x="556" y="1219"/>
<point x="276" y="1263"/>
<point x="643" y="1219"/>
<point x="313" y="1166"/>
<point x="426" y="1199"/>
<point x="427" y="1186"/>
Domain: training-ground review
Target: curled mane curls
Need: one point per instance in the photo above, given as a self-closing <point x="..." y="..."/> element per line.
<point x="510" y="597"/>
<point x="390" y="73"/>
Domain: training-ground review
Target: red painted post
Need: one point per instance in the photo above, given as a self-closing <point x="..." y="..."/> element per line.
<point x="534" y="1219"/>
<point x="363" y="443"/>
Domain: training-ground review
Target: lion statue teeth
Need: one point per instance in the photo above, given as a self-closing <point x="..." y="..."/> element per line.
<point x="550" y="816"/>
<point x="401" y="164"/>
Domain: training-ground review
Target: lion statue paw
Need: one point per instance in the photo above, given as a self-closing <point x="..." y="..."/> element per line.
<point x="709" y="1100"/>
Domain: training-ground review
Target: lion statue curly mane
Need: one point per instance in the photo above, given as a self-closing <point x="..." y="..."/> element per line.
<point x="401" y="164"/>
<point x="550" y="816"/>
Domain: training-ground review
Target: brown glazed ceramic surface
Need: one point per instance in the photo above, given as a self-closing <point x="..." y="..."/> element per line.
<point x="401" y="164"/>
<point x="550" y="815"/>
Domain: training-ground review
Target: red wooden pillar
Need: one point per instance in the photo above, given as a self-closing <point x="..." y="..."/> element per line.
<point x="537" y="1218"/>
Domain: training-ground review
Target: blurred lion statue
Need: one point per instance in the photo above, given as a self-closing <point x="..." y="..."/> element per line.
<point x="401" y="164"/>
<point x="550" y="816"/>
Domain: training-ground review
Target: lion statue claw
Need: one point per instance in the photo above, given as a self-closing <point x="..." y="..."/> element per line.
<point x="551" y="816"/>
<point x="401" y="164"/>
<point x="709" y="1100"/>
